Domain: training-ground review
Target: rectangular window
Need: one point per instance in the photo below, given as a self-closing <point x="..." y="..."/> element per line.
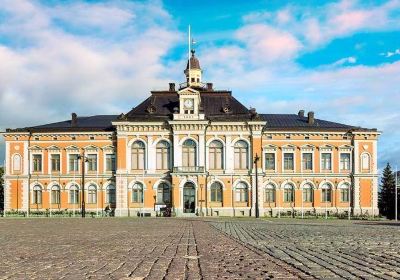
<point x="110" y="162"/>
<point x="345" y="161"/>
<point x="307" y="161"/>
<point x="326" y="159"/>
<point x="55" y="163"/>
<point x="73" y="163"/>
<point x="92" y="162"/>
<point x="37" y="163"/>
<point x="288" y="161"/>
<point x="269" y="161"/>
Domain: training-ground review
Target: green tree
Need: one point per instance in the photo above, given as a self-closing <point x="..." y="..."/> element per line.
<point x="386" y="202"/>
<point x="1" y="189"/>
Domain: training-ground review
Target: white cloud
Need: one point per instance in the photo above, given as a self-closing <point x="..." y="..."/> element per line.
<point x="267" y="44"/>
<point x="57" y="72"/>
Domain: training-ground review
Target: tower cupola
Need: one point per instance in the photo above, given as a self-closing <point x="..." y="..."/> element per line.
<point x="193" y="71"/>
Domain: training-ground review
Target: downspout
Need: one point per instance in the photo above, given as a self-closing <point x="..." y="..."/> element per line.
<point x="172" y="167"/>
<point x="205" y="168"/>
<point x="351" y="194"/>
<point x="251" y="169"/>
<point x="29" y="172"/>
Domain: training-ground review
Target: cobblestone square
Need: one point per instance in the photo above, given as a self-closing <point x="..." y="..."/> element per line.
<point x="172" y="248"/>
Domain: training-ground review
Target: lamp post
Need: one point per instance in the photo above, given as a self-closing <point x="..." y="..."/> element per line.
<point x="84" y="159"/>
<point x="256" y="159"/>
<point x="395" y="194"/>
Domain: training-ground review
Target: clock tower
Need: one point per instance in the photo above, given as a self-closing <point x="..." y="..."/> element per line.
<point x="189" y="93"/>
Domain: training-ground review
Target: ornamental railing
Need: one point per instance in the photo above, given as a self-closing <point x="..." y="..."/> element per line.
<point x="188" y="169"/>
<point x="185" y="85"/>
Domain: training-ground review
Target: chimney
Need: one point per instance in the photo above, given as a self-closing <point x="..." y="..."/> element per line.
<point x="171" y="86"/>
<point x="74" y="119"/>
<point x="311" y="117"/>
<point x="301" y="114"/>
<point x="210" y="86"/>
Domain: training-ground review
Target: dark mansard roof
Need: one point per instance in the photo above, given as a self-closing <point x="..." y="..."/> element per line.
<point x="216" y="106"/>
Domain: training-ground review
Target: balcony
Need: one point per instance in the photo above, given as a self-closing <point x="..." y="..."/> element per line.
<point x="188" y="169"/>
<point x="195" y="84"/>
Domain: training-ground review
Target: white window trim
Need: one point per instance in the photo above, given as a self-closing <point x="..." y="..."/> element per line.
<point x="351" y="160"/>
<point x="97" y="162"/>
<point x="31" y="163"/>
<point x="105" y="153"/>
<point x="223" y="154"/>
<point x="367" y="170"/>
<point x="50" y="153"/>
<point x="270" y="150"/>
<point x="307" y="150"/>
<point x="79" y="165"/>
<point x="286" y="150"/>
<point x="325" y="151"/>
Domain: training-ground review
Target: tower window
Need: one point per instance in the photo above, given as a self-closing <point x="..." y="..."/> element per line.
<point x="193" y="80"/>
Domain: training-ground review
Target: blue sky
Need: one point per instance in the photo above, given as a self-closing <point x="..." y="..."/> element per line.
<point x="340" y="59"/>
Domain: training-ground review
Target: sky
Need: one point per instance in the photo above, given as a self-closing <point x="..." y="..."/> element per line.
<point x="340" y="59"/>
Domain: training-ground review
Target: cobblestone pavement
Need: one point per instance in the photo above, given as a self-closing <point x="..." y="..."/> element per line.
<point x="129" y="248"/>
<point x="324" y="249"/>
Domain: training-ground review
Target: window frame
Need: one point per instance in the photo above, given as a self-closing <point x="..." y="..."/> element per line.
<point x="293" y="161"/>
<point x="57" y="190"/>
<point x="37" y="194"/>
<point x="308" y="196"/>
<point x="165" y="155"/>
<point x="340" y="161"/>
<point x="286" y="192"/>
<point x="239" y="150"/>
<point x="189" y="153"/>
<point x="322" y="162"/>
<point x="33" y="163"/>
<point x="216" y="191"/>
<point x="109" y="189"/>
<point x="138" y="152"/>
<point x="242" y="192"/>
<point x="216" y="153"/>
<point x="138" y="189"/>
<point x="51" y="162"/>
<point x="269" y="190"/>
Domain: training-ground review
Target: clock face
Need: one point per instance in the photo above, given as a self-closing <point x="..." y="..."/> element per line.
<point x="188" y="103"/>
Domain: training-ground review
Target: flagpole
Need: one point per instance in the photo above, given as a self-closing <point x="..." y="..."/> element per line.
<point x="189" y="52"/>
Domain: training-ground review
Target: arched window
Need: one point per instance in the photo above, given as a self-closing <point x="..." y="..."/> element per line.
<point x="288" y="193"/>
<point x="308" y="192"/>
<point x="269" y="193"/>
<point x="92" y="194"/>
<point x="37" y="195"/>
<point x="345" y="192"/>
<point x="163" y="152"/>
<point x="241" y="155"/>
<point x="137" y="193"/>
<point x="216" y="192"/>
<point x="163" y="194"/>
<point x="189" y="156"/>
<point x="17" y="163"/>
<point x="55" y="195"/>
<point x="365" y="161"/>
<point x="74" y="194"/>
<point x="242" y="192"/>
<point x="138" y="155"/>
<point x="326" y="192"/>
<point x="110" y="194"/>
<point x="216" y="155"/>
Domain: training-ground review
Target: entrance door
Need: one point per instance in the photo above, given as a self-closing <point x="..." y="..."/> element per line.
<point x="189" y="198"/>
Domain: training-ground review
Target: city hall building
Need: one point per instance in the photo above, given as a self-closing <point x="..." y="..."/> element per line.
<point x="198" y="151"/>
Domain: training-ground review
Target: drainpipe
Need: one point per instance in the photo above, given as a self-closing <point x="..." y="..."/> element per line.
<point x="29" y="172"/>
<point x="351" y="194"/>
<point x="205" y="167"/>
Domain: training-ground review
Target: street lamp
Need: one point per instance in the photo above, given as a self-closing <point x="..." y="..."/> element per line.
<point x="256" y="159"/>
<point x="84" y="159"/>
